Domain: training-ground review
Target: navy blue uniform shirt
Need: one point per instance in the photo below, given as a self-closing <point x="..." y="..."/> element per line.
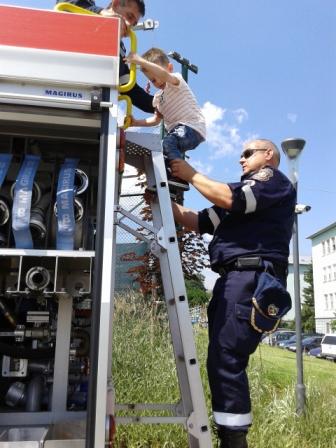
<point x="260" y="222"/>
<point x="139" y="97"/>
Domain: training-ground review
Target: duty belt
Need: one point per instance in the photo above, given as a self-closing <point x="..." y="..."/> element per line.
<point x="253" y="264"/>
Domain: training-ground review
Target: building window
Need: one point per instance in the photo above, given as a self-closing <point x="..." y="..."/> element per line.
<point x="328" y="246"/>
<point x="323" y="248"/>
<point x="329" y="273"/>
<point x="324" y="274"/>
<point x="326" y="301"/>
<point x="333" y="244"/>
<point x="331" y="297"/>
<point x="334" y="271"/>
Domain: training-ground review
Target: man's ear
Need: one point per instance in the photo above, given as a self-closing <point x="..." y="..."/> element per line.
<point x="269" y="154"/>
<point x="170" y="67"/>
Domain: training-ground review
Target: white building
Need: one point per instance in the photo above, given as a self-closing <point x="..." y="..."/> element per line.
<point x="324" y="267"/>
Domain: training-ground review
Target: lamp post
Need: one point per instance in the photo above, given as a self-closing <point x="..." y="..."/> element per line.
<point x="293" y="147"/>
<point x="186" y="65"/>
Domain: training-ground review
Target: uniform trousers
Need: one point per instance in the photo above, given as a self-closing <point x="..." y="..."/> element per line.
<point x="232" y="340"/>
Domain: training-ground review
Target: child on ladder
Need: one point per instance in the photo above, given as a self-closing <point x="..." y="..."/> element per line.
<point x="175" y="103"/>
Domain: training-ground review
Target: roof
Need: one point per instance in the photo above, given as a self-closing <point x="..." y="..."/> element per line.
<point x="303" y="259"/>
<point x="319" y="232"/>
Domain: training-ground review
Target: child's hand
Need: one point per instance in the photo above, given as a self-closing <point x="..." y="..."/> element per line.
<point x="133" y="122"/>
<point x="133" y="58"/>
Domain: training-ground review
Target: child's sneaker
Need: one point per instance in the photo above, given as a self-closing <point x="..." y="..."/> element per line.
<point x="152" y="190"/>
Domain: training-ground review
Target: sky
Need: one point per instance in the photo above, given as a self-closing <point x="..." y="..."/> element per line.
<point x="266" y="69"/>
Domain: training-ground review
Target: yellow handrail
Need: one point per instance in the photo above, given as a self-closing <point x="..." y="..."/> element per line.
<point x="69" y="7"/>
<point x="127" y="120"/>
<point x="132" y="75"/>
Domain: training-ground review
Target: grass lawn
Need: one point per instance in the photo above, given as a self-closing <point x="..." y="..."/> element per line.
<point x="144" y="372"/>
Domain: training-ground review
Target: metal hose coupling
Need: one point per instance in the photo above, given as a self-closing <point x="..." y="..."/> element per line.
<point x="78" y="208"/>
<point x="37" y="278"/>
<point x="3" y="240"/>
<point x="37" y="224"/>
<point x="16" y="394"/>
<point x="81" y="181"/>
<point x="4" y="212"/>
<point x="36" y="194"/>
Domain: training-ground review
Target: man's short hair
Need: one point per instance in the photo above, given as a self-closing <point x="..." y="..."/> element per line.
<point x="140" y="4"/>
<point x="157" y="56"/>
<point x="273" y="146"/>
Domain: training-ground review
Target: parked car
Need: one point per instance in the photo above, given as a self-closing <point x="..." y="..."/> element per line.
<point x="315" y="352"/>
<point x="307" y="343"/>
<point x="282" y="336"/>
<point x="290" y="341"/>
<point x="328" y="346"/>
<point x="278" y="336"/>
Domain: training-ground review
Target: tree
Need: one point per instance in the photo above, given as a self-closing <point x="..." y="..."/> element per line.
<point x="197" y="294"/>
<point x="333" y="325"/>
<point x="194" y="259"/>
<point x="308" y="307"/>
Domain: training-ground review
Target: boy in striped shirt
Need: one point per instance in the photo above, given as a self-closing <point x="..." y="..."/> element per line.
<point x="175" y="103"/>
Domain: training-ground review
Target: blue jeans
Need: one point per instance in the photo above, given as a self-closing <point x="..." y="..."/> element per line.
<point x="180" y="139"/>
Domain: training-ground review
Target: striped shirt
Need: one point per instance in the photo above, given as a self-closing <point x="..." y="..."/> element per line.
<point x="178" y="105"/>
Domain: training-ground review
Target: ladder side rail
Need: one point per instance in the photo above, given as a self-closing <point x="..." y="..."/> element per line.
<point x="174" y="287"/>
<point x="169" y="294"/>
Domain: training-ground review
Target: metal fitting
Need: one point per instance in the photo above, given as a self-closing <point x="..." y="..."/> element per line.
<point x="36" y="193"/>
<point x="16" y="394"/>
<point x="81" y="181"/>
<point x="4" y="212"/>
<point x="37" y="224"/>
<point x="37" y="278"/>
<point x="79" y="209"/>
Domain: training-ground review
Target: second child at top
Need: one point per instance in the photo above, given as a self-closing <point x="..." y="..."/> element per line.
<point x="176" y="104"/>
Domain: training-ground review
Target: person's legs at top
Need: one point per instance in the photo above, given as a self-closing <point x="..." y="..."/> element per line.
<point x="179" y="140"/>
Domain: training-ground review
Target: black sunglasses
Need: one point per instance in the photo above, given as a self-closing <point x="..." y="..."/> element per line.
<point x="248" y="152"/>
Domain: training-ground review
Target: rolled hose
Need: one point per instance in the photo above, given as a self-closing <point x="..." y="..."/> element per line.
<point x="36" y="193"/>
<point x="78" y="209"/>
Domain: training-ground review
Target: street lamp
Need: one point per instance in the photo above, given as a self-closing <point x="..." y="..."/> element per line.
<point x="293" y="147"/>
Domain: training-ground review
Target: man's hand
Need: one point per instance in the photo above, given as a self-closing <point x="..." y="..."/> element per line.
<point x="181" y="169"/>
<point x="124" y="28"/>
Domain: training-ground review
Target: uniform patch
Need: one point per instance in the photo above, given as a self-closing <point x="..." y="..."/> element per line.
<point x="263" y="175"/>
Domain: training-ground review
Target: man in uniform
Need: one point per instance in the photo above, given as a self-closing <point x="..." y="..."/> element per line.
<point x="129" y="12"/>
<point x="251" y="222"/>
